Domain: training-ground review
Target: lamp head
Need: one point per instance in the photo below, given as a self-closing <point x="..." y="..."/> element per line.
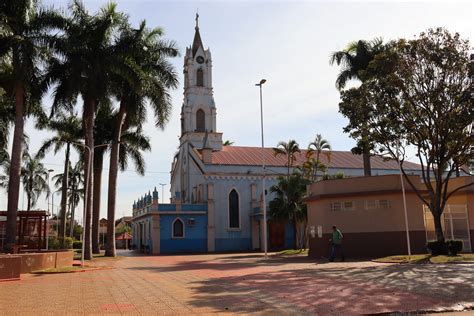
<point x="261" y="82"/>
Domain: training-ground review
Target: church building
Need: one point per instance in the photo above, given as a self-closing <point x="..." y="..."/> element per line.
<point x="216" y="190"/>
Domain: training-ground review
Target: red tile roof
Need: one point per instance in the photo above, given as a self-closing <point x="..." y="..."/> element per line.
<point x="252" y="156"/>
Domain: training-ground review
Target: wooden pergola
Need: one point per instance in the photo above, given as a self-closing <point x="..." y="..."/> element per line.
<point x="31" y="225"/>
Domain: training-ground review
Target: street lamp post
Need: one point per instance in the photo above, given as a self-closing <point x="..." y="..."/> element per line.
<point x="49" y="202"/>
<point x="263" y="171"/>
<point x="162" y="192"/>
<point x="404" y="200"/>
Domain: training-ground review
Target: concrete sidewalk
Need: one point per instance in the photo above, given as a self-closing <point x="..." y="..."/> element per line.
<point x="241" y="283"/>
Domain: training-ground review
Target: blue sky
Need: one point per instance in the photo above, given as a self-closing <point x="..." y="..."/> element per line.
<point x="286" y="42"/>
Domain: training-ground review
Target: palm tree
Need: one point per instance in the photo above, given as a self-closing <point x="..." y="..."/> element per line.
<point x="144" y="53"/>
<point x="228" y="143"/>
<point x="35" y="179"/>
<point x="310" y="167"/>
<point x="318" y="146"/>
<point x="131" y="144"/>
<point x="68" y="132"/>
<point x="25" y="39"/>
<point x="75" y="189"/>
<point x="355" y="60"/>
<point x="86" y="66"/>
<point x="289" y="150"/>
<point x="288" y="204"/>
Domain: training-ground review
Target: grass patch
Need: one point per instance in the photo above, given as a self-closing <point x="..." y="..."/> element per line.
<point x="292" y="252"/>
<point x="402" y="259"/>
<point x="64" y="270"/>
<point x="465" y="257"/>
<point x="78" y="253"/>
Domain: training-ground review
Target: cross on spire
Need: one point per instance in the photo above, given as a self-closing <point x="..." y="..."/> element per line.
<point x="197" y="19"/>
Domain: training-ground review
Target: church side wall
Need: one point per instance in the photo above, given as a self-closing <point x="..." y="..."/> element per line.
<point x="195" y="236"/>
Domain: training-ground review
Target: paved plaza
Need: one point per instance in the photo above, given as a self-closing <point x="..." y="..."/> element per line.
<point x="240" y="283"/>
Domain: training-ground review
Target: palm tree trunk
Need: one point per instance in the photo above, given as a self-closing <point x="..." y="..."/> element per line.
<point x="73" y="211"/>
<point x="15" y="169"/>
<point x="88" y="119"/>
<point x="62" y="226"/>
<point x="112" y="194"/>
<point x="98" y="165"/>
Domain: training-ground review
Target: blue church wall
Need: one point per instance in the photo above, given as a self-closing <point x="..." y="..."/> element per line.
<point x="233" y="244"/>
<point x="195" y="236"/>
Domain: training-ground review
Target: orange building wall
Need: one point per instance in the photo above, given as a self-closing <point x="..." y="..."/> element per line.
<point x="377" y="232"/>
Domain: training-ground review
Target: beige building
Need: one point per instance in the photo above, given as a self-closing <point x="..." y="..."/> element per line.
<point x="370" y="213"/>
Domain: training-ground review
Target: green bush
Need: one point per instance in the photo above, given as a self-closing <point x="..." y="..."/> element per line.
<point x="53" y="243"/>
<point x="437" y="248"/>
<point x="77" y="244"/>
<point x="454" y="246"/>
<point x="68" y="242"/>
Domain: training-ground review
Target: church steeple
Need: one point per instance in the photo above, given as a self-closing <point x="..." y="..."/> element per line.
<point x="197" y="42"/>
<point x="198" y="113"/>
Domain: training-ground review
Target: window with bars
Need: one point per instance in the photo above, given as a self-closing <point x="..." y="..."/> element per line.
<point x="342" y="206"/>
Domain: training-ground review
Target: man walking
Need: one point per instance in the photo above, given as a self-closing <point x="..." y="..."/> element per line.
<point x="336" y="242"/>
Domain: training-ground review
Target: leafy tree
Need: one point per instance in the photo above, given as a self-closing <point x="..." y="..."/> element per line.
<point x="25" y="41"/>
<point x="289" y="150"/>
<point x="354" y="61"/>
<point x="149" y="75"/>
<point x="419" y="97"/>
<point x="288" y="205"/>
<point x="68" y="130"/>
<point x="228" y="143"/>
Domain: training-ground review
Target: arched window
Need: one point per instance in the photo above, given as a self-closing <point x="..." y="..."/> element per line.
<point x="200" y="121"/>
<point x="234" y="216"/>
<point x="199" y="78"/>
<point x="178" y="228"/>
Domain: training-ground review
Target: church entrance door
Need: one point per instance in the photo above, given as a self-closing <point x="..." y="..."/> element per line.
<point x="277" y="235"/>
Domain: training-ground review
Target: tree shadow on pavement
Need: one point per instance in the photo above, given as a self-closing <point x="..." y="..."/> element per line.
<point x="382" y="289"/>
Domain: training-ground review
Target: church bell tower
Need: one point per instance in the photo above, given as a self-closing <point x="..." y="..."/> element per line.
<point x="198" y="113"/>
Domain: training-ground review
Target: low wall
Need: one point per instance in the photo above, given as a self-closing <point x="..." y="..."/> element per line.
<point x="370" y="245"/>
<point x="10" y="266"/>
<point x="45" y="260"/>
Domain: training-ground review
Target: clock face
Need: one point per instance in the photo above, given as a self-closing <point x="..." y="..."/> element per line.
<point x="200" y="59"/>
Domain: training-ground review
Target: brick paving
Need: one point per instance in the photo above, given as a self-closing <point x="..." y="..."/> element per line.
<point x="240" y="283"/>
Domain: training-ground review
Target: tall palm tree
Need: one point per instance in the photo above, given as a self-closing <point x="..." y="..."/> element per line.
<point x="86" y="66"/>
<point x="68" y="132"/>
<point x="35" y="179"/>
<point x="25" y="39"/>
<point x="75" y="189"/>
<point x="318" y="146"/>
<point x="289" y="150"/>
<point x="355" y="60"/>
<point x="132" y="143"/>
<point x="149" y="78"/>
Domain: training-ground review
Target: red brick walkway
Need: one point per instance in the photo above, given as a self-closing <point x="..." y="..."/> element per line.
<point x="240" y="283"/>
